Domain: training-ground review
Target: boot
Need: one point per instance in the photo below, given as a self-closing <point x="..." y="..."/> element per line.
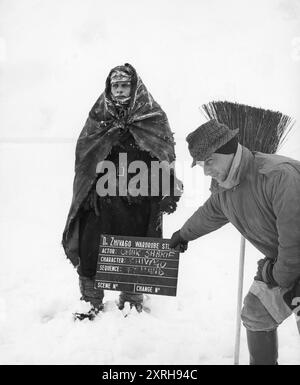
<point x="134" y="299"/>
<point x="91" y="314"/>
<point x="263" y="347"/>
<point x="91" y="295"/>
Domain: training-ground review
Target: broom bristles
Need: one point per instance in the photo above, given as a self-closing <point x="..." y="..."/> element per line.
<point x="260" y="130"/>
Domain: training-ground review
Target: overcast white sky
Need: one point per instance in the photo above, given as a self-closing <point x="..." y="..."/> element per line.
<point x="56" y="54"/>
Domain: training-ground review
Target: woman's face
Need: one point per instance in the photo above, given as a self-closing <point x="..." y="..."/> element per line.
<point x="121" y="90"/>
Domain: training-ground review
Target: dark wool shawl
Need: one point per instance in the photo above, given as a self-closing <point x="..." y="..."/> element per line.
<point x="147" y="123"/>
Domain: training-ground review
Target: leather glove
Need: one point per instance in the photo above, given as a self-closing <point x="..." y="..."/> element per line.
<point x="292" y="298"/>
<point x="178" y="243"/>
<point x="168" y="204"/>
<point x="264" y="272"/>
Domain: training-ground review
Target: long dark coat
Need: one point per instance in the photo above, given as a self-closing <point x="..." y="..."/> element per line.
<point x="144" y="132"/>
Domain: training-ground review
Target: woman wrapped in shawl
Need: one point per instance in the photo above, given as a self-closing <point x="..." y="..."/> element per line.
<point x="125" y="120"/>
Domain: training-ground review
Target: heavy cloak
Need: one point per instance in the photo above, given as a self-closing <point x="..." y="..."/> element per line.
<point x="148" y="125"/>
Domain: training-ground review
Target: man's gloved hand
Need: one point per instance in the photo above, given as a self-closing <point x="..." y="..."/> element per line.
<point x="292" y="298"/>
<point x="264" y="272"/>
<point x="178" y="243"/>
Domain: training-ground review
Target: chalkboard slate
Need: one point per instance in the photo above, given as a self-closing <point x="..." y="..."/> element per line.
<point x="137" y="264"/>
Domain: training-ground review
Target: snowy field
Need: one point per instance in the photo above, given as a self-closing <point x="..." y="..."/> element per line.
<point x="39" y="288"/>
<point x="51" y="73"/>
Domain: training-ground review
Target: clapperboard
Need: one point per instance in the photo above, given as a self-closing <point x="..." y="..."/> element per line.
<point x="137" y="264"/>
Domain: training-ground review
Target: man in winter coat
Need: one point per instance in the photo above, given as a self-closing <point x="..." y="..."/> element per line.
<point x="260" y="195"/>
<point x="124" y="125"/>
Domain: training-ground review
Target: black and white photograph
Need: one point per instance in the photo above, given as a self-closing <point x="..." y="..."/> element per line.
<point x="150" y="185"/>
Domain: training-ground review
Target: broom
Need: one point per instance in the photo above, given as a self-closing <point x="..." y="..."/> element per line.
<point x="259" y="130"/>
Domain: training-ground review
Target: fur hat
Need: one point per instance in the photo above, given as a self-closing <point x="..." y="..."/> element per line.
<point x="208" y="138"/>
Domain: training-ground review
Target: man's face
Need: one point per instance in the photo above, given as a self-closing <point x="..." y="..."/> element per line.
<point x="121" y="90"/>
<point x="217" y="166"/>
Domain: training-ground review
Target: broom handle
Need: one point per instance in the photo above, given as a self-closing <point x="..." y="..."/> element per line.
<point x="239" y="302"/>
<point x="298" y="322"/>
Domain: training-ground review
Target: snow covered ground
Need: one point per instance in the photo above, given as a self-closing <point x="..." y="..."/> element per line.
<point x="39" y="288"/>
<point x="51" y="73"/>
